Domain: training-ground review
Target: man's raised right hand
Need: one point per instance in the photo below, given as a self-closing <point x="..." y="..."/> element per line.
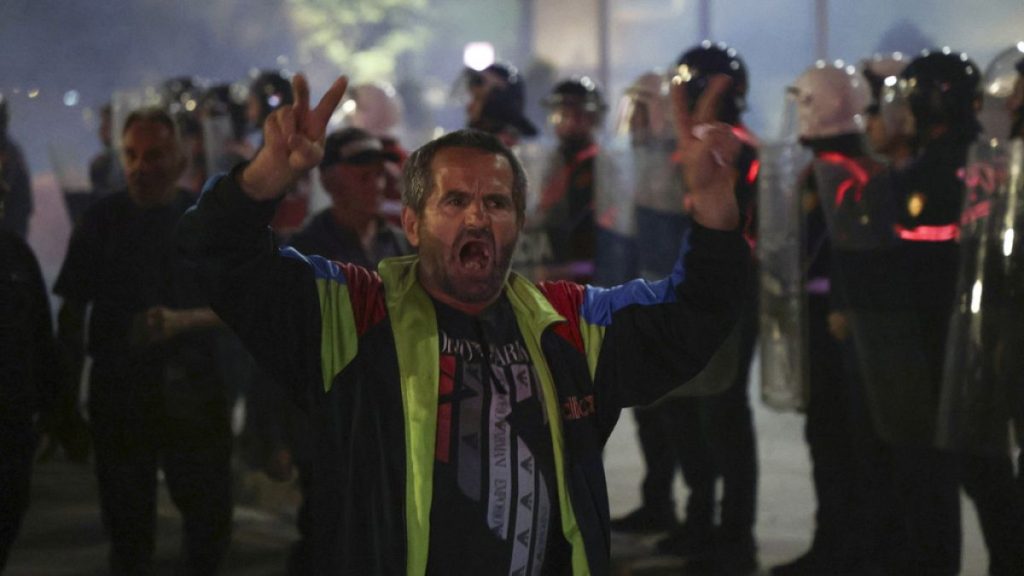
<point x="293" y="141"/>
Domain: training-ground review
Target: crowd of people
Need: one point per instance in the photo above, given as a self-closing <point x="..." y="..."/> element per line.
<point x="439" y="356"/>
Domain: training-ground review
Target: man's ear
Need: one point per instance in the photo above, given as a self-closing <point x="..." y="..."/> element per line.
<point x="411" y="226"/>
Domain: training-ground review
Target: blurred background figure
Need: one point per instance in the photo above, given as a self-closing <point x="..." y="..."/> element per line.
<point x="181" y="96"/>
<point x="224" y="123"/>
<point x="156" y="398"/>
<point x="496" y="104"/>
<point x="902" y="295"/>
<point x="268" y="91"/>
<point x="105" y="171"/>
<point x="29" y="375"/>
<point x="830" y="103"/>
<point x="1015" y="103"/>
<point x="377" y="108"/>
<point x="15" y="175"/>
<point x="720" y="442"/>
<point x="888" y="137"/>
<point x="644" y="118"/>
<point x="1002" y="95"/>
<point x="351" y="230"/>
<point x="559" y="240"/>
<point x="979" y="398"/>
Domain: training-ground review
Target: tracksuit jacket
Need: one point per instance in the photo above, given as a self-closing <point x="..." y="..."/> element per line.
<point x="358" y="350"/>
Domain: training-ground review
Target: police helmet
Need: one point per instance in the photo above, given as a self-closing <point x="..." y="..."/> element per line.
<point x="942" y="88"/>
<point x="699" y="64"/>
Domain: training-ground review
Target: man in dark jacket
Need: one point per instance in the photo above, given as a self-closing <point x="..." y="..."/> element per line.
<point x="28" y="375"/>
<point x="459" y="411"/>
<point x="156" y="398"/>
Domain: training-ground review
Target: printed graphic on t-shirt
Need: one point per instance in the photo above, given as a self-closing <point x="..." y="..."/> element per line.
<point x="491" y="423"/>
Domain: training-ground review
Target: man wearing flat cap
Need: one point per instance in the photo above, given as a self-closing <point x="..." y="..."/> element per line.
<point x="352" y="229"/>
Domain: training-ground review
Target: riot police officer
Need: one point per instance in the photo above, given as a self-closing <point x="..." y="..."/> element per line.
<point x="724" y="446"/>
<point x="830" y="101"/>
<point x="903" y="297"/>
<point x="644" y="116"/>
<point x="497" y="99"/>
<point x="560" y="240"/>
<point x="982" y="365"/>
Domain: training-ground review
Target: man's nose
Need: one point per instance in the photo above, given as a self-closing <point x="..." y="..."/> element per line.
<point x="477" y="214"/>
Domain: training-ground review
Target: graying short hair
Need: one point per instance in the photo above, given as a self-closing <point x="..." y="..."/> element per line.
<point x="417" y="178"/>
<point x="155" y="115"/>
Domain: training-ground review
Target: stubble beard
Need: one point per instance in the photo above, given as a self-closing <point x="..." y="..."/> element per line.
<point x="437" y="265"/>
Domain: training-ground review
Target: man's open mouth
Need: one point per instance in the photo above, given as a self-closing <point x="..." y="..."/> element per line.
<point x="475" y="255"/>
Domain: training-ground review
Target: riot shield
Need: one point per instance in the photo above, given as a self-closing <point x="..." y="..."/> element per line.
<point x="661" y="222"/>
<point x="124" y="102"/>
<point x="614" y="217"/>
<point x="223" y="123"/>
<point x="783" y="325"/>
<point x="221" y="147"/>
<point x="985" y="358"/>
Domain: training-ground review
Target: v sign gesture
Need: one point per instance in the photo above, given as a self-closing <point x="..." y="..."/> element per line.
<point x="708" y="150"/>
<point x="293" y="141"/>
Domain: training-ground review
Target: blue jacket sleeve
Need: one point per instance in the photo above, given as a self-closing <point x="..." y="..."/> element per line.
<point x="659" y="335"/>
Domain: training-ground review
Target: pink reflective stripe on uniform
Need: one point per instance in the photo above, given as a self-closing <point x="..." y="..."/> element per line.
<point x="929" y="233"/>
<point x="858" y="175"/>
<point x="755" y="169"/>
<point x="745" y="136"/>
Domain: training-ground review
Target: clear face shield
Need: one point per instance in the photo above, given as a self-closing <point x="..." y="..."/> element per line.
<point x="223" y="131"/>
<point x="1002" y="113"/>
<point x="632" y="121"/>
<point x="643" y="114"/>
<point x="897" y="120"/>
<point x="789" y="131"/>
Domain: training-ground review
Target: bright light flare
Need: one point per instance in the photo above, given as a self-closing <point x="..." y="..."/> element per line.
<point x="976" y="297"/>
<point x="1008" y="243"/>
<point x="478" y="55"/>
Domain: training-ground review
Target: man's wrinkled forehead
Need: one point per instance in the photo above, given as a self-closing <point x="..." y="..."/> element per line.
<point x="149" y="134"/>
<point x="470" y="167"/>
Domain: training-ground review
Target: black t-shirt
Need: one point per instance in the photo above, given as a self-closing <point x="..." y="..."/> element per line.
<point x="495" y="503"/>
<point x="122" y="259"/>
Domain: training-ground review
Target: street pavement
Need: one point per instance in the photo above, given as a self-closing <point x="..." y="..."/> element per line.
<point x="63" y="536"/>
